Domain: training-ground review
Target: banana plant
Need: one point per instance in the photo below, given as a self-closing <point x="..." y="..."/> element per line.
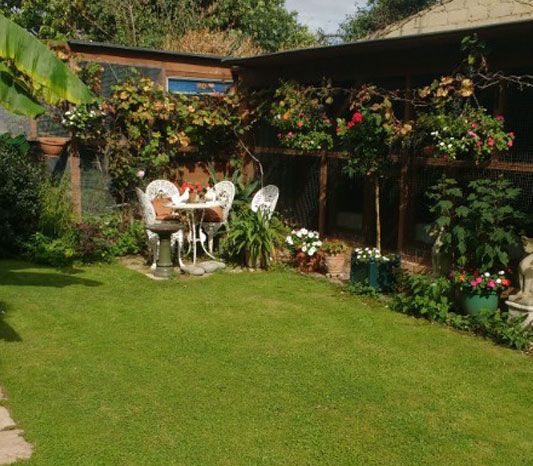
<point x="28" y="67"/>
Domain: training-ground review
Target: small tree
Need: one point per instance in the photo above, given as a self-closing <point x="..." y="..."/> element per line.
<point x="367" y="138"/>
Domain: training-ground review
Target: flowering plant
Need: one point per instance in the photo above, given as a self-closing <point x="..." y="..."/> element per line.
<point x="299" y="114"/>
<point x="480" y="282"/>
<point x="305" y="241"/>
<point x="85" y="121"/>
<point x="471" y="134"/>
<point x="197" y="188"/>
<point x="333" y="248"/>
<point x="366" y="255"/>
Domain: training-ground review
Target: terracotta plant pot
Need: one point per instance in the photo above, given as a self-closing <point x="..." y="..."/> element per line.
<point x="308" y="264"/>
<point x="335" y="264"/>
<point x="52" y="146"/>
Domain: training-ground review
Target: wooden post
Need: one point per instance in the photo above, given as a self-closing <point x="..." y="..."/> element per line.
<point x="323" y="193"/>
<point x="75" y="179"/>
<point x="403" y="213"/>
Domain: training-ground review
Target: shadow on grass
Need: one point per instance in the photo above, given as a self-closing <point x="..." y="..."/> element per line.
<point x="7" y="333"/>
<point x="14" y="274"/>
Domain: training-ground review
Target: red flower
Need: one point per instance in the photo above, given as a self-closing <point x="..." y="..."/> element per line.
<point x="350" y="124"/>
<point x="357" y="117"/>
<point x="510" y="143"/>
<point x="299" y="124"/>
<point x="474" y="125"/>
<point x="506" y="282"/>
<point x="490" y="142"/>
<point x="479" y="143"/>
<point x="500" y="118"/>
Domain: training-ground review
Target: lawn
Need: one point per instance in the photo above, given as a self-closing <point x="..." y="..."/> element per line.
<point x="103" y="366"/>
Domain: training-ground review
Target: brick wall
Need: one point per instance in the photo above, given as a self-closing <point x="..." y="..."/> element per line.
<point x="458" y="14"/>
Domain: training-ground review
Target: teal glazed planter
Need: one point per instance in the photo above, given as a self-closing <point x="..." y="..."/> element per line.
<point x="475" y="303"/>
<point x="378" y="275"/>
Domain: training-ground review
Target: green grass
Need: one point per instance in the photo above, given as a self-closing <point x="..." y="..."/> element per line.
<point x="106" y="367"/>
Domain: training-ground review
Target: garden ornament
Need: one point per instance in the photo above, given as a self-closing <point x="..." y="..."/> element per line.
<point x="522" y="302"/>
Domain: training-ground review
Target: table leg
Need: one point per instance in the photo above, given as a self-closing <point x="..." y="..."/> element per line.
<point x="164" y="267"/>
<point x="193" y="233"/>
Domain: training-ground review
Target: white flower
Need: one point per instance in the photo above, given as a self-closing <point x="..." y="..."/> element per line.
<point x="299" y="234"/>
<point x="318" y="243"/>
<point x="501" y="272"/>
<point x="304" y="231"/>
<point x="289" y="240"/>
<point x="312" y="251"/>
<point x="498" y="280"/>
<point x="487" y="274"/>
<point x="304" y="248"/>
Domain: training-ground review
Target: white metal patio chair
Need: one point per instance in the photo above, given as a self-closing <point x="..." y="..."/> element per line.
<point x="265" y="200"/>
<point x="225" y="193"/>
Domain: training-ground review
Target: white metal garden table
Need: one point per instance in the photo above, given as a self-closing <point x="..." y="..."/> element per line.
<point x="191" y="209"/>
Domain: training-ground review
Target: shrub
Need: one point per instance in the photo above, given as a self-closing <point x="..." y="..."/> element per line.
<point x="56" y="215"/>
<point x="253" y="238"/>
<point x="422" y="295"/>
<point x="20" y="180"/>
<point x="57" y="252"/>
<point x="477" y="228"/>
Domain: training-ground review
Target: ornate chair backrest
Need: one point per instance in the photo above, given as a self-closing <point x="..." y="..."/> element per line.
<point x="266" y="199"/>
<point x="163" y="188"/>
<point x="225" y="191"/>
<point x="146" y="206"/>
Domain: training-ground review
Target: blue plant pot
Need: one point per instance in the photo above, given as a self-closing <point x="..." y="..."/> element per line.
<point x="478" y="303"/>
<point x="378" y="275"/>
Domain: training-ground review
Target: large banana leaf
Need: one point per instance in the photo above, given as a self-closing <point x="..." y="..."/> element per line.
<point x="15" y="97"/>
<point x="46" y="72"/>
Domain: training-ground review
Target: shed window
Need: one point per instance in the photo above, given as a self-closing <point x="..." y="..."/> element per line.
<point x="196" y="86"/>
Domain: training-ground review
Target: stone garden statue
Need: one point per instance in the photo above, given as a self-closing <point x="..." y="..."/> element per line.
<point x="522" y="302"/>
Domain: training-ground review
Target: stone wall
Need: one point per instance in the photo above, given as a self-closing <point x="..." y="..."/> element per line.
<point x="448" y="15"/>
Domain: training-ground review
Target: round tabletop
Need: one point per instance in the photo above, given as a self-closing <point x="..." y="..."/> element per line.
<point x="194" y="205"/>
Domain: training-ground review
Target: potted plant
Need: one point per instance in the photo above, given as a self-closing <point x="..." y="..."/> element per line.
<point x="479" y="292"/>
<point x="196" y="191"/>
<point x="335" y="257"/>
<point x="52" y="146"/>
<point x="305" y="246"/>
<point x="371" y="267"/>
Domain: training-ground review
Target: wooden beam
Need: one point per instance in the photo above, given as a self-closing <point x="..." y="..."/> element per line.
<point x="75" y="179"/>
<point x="323" y="193"/>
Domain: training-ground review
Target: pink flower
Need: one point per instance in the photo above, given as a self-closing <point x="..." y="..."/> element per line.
<point x="474" y="125"/>
<point x="473" y="283"/>
<point x="350" y="124"/>
<point x="290" y="134"/>
<point x="490" y="142"/>
<point x="511" y="134"/>
<point x="479" y="280"/>
<point x="491" y="284"/>
<point x="479" y="143"/>
<point x="299" y="124"/>
<point x="510" y="143"/>
<point x="500" y="118"/>
<point x="471" y="133"/>
<point x="140" y="174"/>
